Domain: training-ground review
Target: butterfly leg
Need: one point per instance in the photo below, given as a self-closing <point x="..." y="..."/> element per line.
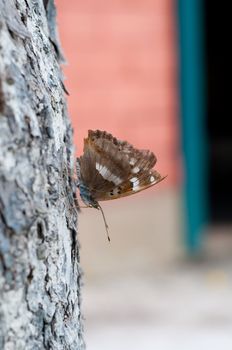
<point x="106" y="225"/>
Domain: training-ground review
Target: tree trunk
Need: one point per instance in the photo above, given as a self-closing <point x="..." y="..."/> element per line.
<point x="39" y="255"/>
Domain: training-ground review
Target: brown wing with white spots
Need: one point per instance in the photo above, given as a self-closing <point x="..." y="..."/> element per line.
<point x="132" y="186"/>
<point x="113" y="169"/>
<point x="102" y="166"/>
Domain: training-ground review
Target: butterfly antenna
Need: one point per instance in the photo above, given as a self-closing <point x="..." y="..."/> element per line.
<point x="106" y="226"/>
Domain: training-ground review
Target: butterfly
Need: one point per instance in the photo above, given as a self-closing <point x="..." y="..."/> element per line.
<point x="110" y="168"/>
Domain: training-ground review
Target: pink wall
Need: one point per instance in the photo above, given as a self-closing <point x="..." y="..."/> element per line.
<point x="121" y="73"/>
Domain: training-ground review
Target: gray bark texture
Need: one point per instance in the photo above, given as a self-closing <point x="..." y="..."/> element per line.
<point x="40" y="275"/>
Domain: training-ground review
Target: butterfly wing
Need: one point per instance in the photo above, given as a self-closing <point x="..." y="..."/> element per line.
<point x="131" y="186"/>
<point x="101" y="165"/>
<point x="112" y="169"/>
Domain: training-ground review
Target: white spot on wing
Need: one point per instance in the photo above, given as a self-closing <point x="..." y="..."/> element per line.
<point x="135" y="187"/>
<point x="107" y="175"/>
<point x="135" y="183"/>
<point x="152" y="179"/>
<point x="132" y="161"/>
<point x="116" y="180"/>
<point x="135" y="170"/>
<point x="104" y="172"/>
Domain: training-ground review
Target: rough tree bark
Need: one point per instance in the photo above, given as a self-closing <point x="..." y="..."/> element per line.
<point x="39" y="255"/>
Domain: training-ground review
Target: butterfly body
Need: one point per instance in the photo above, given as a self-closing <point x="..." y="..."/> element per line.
<point x="86" y="196"/>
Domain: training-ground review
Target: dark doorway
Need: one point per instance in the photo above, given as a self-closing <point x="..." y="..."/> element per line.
<point x="219" y="102"/>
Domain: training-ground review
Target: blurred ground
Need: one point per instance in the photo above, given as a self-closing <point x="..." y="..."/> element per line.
<point x="141" y="291"/>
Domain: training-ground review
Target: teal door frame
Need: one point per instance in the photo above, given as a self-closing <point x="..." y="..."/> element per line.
<point x="193" y="119"/>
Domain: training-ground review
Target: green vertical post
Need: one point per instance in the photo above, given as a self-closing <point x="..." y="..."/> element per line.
<point x="193" y="119"/>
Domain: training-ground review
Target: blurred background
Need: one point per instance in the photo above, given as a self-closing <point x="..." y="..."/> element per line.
<point x="155" y="72"/>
